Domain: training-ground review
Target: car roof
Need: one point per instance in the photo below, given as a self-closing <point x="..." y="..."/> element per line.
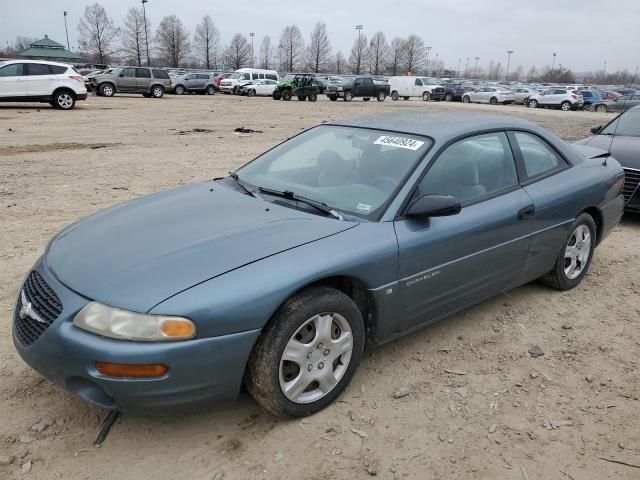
<point x="42" y="62"/>
<point x="441" y="126"/>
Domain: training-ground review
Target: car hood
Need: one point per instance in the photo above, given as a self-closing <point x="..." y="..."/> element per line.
<point x="625" y="150"/>
<point x="139" y="253"/>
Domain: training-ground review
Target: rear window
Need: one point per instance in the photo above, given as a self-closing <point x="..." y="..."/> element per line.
<point x="157" y="73"/>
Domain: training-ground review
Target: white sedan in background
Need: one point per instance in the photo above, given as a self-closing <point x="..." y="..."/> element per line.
<point x="260" y="87"/>
<point x="492" y="95"/>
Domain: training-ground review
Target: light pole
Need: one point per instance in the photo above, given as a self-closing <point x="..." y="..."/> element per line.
<point x="475" y="71"/>
<point x="359" y="28"/>
<point x="428" y="52"/>
<point x="509" y="52"/>
<point x="146" y="35"/>
<point x="466" y="68"/>
<point x="605" y="68"/>
<point x="252" y="35"/>
<point x="458" y="72"/>
<point x="66" y="29"/>
<point x="554" y="61"/>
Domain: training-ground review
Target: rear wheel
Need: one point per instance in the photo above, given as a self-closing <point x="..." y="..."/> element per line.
<point x="286" y="95"/>
<point x="107" y="90"/>
<point x="157" y="91"/>
<point x="426" y="96"/>
<point x="575" y="257"/>
<point x="395" y="96"/>
<point x="211" y="90"/>
<point x="493" y="101"/>
<point x="381" y="96"/>
<point x="307" y="354"/>
<point x="64" y="100"/>
<point x="448" y="97"/>
<point x="313" y="97"/>
<point x="466" y="99"/>
<point x="601" y="108"/>
<point x="566" y="106"/>
<point x="179" y="90"/>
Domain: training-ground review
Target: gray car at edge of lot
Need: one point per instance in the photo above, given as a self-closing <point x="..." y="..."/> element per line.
<point x="150" y="82"/>
<point x="194" y="83"/>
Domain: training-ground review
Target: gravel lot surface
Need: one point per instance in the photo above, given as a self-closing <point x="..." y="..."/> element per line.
<point x="478" y="405"/>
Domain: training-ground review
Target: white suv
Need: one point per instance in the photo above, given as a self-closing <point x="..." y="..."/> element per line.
<point x="563" y="98"/>
<point x="37" y="81"/>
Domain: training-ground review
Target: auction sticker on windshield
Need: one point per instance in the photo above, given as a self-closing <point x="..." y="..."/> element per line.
<point x="399" y="142"/>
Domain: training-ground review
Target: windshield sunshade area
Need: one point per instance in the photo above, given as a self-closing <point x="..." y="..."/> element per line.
<point x="353" y="170"/>
<point x="628" y="125"/>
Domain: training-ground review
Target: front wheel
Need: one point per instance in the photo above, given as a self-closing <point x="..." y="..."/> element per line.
<point x="466" y="99"/>
<point x="448" y="97"/>
<point x="251" y="93"/>
<point x="533" y="104"/>
<point x="307" y="353"/>
<point x="394" y="96"/>
<point x="601" y="108"/>
<point x="493" y="101"/>
<point x="348" y="96"/>
<point x="575" y="257"/>
<point x="64" y="100"/>
<point x="381" y="96"/>
<point x="426" y="96"/>
<point x="286" y="95"/>
<point x="179" y="90"/>
<point x="313" y="97"/>
<point x="276" y="95"/>
<point x="107" y="90"/>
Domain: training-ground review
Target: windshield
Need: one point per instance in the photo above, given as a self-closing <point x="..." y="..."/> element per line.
<point x="353" y="170"/>
<point x="629" y="125"/>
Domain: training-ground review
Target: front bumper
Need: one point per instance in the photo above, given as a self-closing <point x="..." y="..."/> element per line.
<point x="227" y="88"/>
<point x="200" y="372"/>
<point x="81" y="96"/>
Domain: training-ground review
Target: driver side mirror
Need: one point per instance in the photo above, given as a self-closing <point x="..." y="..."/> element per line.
<point x="596" y="130"/>
<point x="434" y="206"/>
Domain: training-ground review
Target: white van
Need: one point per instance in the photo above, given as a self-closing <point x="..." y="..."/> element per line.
<point x="407" y="87"/>
<point x="244" y="76"/>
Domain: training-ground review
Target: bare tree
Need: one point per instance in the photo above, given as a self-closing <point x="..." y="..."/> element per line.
<point x="133" y="37"/>
<point x="266" y="53"/>
<point x="292" y="46"/>
<point x="414" y="53"/>
<point x="206" y="42"/>
<point x="532" y="74"/>
<point x="319" y="49"/>
<point x="378" y="52"/>
<point x="97" y="33"/>
<point x="358" y="56"/>
<point x="396" y="55"/>
<point x="172" y="39"/>
<point x="338" y="64"/>
<point x="238" y="52"/>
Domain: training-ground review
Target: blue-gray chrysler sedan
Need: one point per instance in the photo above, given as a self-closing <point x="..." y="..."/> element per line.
<point x="353" y="232"/>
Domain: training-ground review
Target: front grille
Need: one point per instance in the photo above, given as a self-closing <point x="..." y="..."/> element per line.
<point x="631" y="182"/>
<point x="45" y="307"/>
<point x="438" y="90"/>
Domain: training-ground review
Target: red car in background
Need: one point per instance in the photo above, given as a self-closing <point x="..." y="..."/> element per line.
<point x="609" y="95"/>
<point x="221" y="77"/>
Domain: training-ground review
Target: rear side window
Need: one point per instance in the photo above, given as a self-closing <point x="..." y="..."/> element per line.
<point x="13" y="70"/>
<point x="143" y="73"/>
<point x="38" y="69"/>
<point x="539" y="158"/>
<point x="58" y="70"/>
<point x="559" y="92"/>
<point x="157" y="73"/>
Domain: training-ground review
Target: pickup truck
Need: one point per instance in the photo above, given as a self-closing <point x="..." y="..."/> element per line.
<point x="365" y="87"/>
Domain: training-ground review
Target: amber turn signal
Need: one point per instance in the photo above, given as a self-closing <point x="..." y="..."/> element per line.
<point x="131" y="371"/>
<point x="178" y="328"/>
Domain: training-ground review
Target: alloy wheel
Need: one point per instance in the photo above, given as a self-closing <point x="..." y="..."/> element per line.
<point x="316" y="358"/>
<point x="65" y="101"/>
<point x="577" y="251"/>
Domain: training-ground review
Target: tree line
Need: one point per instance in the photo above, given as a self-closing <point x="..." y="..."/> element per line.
<point x="171" y="44"/>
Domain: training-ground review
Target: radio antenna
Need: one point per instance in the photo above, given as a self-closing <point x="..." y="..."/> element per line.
<point x="617" y="120"/>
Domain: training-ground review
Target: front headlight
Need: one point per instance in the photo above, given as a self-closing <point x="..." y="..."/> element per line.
<point x="124" y="325"/>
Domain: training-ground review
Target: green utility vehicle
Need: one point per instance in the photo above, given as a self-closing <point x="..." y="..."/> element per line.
<point x="303" y="86"/>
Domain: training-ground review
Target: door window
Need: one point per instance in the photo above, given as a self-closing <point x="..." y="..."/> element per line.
<point x="418" y="82"/>
<point x="538" y="157"/>
<point x="13" y="70"/>
<point x="38" y="69"/>
<point x="129" y="72"/>
<point x="143" y="73"/>
<point x="559" y="92"/>
<point x="472" y="168"/>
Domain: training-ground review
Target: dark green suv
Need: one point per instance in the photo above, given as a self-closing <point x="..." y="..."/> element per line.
<point x="150" y="82"/>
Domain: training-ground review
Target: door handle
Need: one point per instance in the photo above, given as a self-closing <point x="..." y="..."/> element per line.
<point x="526" y="212"/>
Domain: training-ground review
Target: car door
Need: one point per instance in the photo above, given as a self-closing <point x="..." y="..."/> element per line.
<point x="199" y="81"/>
<point x="143" y="79"/>
<point x="546" y="97"/>
<point x="417" y="88"/>
<point x="13" y="80"/>
<point x="548" y="179"/>
<point x="39" y="79"/>
<point x="447" y="263"/>
<point x="369" y="87"/>
<point x="127" y="80"/>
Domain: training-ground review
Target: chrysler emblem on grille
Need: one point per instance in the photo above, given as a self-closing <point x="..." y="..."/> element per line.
<point x="27" y="310"/>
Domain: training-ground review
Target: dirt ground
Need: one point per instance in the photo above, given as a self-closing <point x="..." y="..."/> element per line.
<point x="503" y="415"/>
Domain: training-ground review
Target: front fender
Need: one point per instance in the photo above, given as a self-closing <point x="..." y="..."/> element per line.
<point x="246" y="298"/>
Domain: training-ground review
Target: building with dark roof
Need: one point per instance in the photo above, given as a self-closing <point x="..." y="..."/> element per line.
<point x="47" y="49"/>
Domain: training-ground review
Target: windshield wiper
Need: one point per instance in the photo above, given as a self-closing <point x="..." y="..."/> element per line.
<point x="235" y="177"/>
<point x="320" y="206"/>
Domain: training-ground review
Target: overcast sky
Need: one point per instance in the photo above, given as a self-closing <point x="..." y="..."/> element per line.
<point x="584" y="33"/>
